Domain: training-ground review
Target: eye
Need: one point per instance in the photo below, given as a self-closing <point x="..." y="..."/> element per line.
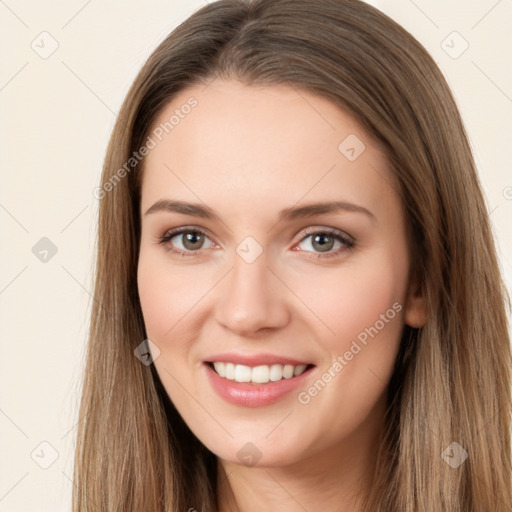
<point x="191" y="240"/>
<point x="323" y="241"/>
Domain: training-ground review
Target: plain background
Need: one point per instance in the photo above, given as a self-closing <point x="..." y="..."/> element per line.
<point x="57" y="114"/>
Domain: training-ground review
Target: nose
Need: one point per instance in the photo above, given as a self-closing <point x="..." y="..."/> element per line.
<point x="252" y="298"/>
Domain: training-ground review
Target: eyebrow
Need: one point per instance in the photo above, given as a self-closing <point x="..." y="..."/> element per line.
<point x="291" y="213"/>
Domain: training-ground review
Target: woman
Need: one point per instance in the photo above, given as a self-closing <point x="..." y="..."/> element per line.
<point x="297" y="304"/>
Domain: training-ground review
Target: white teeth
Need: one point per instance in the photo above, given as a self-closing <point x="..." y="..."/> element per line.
<point x="276" y="372"/>
<point x="220" y="368"/>
<point x="288" y="371"/>
<point x="299" y="369"/>
<point x="243" y="373"/>
<point x="230" y="371"/>
<point x="258" y="374"/>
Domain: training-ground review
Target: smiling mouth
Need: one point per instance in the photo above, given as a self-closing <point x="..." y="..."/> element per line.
<point x="258" y="374"/>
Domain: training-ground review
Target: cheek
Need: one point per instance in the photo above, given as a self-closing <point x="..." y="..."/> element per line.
<point x="167" y="298"/>
<point x="362" y="312"/>
<point x="166" y="295"/>
<point x="155" y="298"/>
<point x="355" y="298"/>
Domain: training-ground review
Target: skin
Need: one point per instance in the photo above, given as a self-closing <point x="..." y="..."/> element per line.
<point x="247" y="152"/>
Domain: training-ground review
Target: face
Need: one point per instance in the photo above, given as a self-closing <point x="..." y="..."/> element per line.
<point x="301" y="308"/>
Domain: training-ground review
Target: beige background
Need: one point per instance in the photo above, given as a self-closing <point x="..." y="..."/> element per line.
<point x="57" y="114"/>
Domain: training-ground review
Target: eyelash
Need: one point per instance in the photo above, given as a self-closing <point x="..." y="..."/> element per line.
<point x="348" y="242"/>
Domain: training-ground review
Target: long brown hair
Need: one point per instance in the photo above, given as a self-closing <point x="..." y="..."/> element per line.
<point x="452" y="379"/>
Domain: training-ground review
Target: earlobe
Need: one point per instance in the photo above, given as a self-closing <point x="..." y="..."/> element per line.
<point x="415" y="310"/>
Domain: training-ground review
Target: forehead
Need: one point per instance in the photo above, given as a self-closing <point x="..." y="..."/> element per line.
<point x="248" y="147"/>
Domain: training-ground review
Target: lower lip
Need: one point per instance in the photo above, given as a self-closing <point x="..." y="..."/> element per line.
<point x="253" y="395"/>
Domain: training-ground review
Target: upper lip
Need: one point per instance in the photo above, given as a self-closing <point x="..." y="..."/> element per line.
<point x="254" y="359"/>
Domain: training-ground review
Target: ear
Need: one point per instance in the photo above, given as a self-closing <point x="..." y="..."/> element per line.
<point x="415" y="310"/>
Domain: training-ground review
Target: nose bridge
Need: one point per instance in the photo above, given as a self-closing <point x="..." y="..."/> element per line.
<point x="252" y="298"/>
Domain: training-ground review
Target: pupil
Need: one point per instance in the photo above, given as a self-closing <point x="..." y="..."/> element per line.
<point x="323" y="247"/>
<point x="189" y="239"/>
